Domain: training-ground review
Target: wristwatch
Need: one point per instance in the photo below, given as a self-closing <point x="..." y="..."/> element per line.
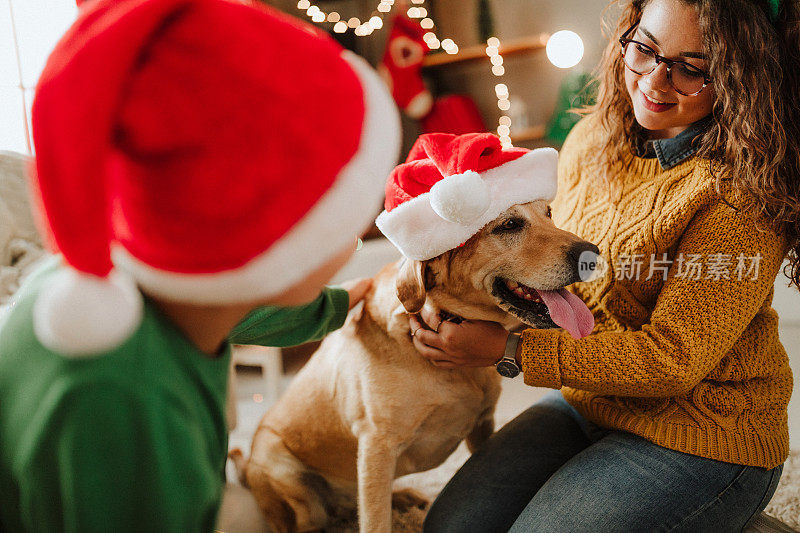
<point x="507" y="365"/>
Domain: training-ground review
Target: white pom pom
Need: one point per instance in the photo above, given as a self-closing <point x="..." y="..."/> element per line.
<point x="80" y="315"/>
<point x="460" y="198"/>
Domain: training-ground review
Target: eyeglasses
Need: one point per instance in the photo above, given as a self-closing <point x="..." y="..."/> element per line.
<point x="686" y="79"/>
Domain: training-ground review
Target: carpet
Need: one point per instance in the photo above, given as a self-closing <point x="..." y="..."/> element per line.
<point x="239" y="513"/>
<point x="20" y="246"/>
<point x="785" y="504"/>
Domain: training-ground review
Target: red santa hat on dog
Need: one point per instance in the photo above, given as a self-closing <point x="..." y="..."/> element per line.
<point x="453" y="185"/>
<point x="219" y="152"/>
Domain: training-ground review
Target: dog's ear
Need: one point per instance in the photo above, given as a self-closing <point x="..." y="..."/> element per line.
<point x="412" y="285"/>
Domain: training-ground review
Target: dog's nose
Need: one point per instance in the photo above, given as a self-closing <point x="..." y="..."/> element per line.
<point x="584" y="257"/>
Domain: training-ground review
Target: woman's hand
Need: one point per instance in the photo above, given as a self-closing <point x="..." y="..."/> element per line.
<point x="471" y="343"/>
<point x="356" y="289"/>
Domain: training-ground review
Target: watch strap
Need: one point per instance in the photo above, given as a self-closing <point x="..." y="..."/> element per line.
<point x="512" y="343"/>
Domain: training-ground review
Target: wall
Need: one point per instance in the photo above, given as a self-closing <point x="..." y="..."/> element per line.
<point x="530" y="78"/>
<point x="787" y="303"/>
<point x="38" y="25"/>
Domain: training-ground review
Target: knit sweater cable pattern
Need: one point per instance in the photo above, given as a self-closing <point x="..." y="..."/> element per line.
<point x="687" y="357"/>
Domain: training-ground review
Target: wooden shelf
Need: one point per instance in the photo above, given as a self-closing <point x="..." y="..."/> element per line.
<point x="472" y="53"/>
<point x="534" y="133"/>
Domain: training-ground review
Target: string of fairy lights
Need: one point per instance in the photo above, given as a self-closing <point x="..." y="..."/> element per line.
<point x="500" y="90"/>
<point x="418" y="11"/>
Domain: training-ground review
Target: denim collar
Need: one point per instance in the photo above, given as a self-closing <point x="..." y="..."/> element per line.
<point x="672" y="152"/>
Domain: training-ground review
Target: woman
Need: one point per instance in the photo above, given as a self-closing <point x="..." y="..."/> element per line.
<point x="672" y="414"/>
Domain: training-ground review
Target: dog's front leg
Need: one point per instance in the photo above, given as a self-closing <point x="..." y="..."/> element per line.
<point x="377" y="460"/>
<point x="483" y="429"/>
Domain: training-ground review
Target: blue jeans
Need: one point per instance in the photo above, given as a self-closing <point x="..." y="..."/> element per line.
<point x="551" y="470"/>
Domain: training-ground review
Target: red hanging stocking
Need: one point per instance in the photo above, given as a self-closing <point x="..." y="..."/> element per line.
<point x="401" y="65"/>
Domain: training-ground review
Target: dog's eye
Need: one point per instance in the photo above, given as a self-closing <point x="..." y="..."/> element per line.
<point x="510" y="225"/>
<point x="549" y="213"/>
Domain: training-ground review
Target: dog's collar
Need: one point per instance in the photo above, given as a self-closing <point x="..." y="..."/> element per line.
<point x="447" y="316"/>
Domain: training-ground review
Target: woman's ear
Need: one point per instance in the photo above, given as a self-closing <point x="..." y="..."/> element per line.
<point x="411" y="286"/>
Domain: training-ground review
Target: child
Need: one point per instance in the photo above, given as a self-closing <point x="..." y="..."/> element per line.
<point x="672" y="414"/>
<point x="226" y="157"/>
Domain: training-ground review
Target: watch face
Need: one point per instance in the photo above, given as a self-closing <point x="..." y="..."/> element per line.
<point x="507" y="369"/>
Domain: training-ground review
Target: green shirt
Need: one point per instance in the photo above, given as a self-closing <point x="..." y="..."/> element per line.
<point x="133" y="439"/>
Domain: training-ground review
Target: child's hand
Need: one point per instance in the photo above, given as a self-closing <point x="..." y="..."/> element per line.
<point x="357" y="289"/>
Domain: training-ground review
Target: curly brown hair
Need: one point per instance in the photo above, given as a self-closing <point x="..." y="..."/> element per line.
<point x="754" y="139"/>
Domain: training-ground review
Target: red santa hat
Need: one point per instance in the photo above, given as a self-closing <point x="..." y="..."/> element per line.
<point x="218" y="152"/>
<point x="451" y="186"/>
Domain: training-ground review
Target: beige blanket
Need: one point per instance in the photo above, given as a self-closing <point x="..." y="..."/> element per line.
<point x="20" y="246"/>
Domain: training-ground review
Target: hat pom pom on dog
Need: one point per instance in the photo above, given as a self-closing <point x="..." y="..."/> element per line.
<point x="461" y="198"/>
<point x="112" y="306"/>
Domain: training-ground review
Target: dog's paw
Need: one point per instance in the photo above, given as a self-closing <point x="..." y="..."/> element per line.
<point x="239" y="463"/>
<point x="405" y="499"/>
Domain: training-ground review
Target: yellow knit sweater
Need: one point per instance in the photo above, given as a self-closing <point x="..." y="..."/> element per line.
<point x="689" y="358"/>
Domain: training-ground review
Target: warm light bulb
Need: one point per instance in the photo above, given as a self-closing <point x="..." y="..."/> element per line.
<point x="384" y="8"/>
<point x="503" y="130"/>
<point x="498" y="70"/>
<point x="333" y="16"/>
<point x="564" y="49"/>
<point x="504" y="105"/>
<point x="494" y="42"/>
<point x="434" y="44"/>
<point x="319" y="16"/>
<point x="376" y="22"/>
<point x="303" y="4"/>
<point x="505" y="121"/>
<point x="340" y="27"/>
<point x="413" y="12"/>
<point x="426" y="23"/>
<point x="497" y="60"/>
<point x="353" y="23"/>
<point x="491" y="51"/>
<point x="501" y="90"/>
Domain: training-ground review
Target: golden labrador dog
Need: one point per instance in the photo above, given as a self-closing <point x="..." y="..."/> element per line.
<point x="368" y="408"/>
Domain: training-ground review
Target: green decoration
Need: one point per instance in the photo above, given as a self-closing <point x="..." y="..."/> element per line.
<point x="577" y="90"/>
<point x="485" y="20"/>
<point x="774" y="9"/>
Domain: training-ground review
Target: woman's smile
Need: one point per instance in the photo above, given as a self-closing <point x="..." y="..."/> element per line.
<point x="655" y="105"/>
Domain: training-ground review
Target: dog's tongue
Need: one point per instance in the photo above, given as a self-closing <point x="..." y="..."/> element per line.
<point x="569" y="312"/>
